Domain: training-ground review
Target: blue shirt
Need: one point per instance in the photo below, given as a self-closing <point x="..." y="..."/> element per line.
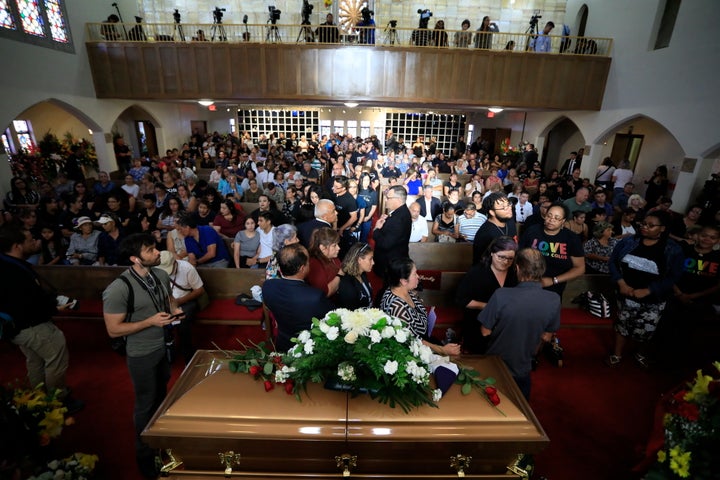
<point x="207" y="236"/>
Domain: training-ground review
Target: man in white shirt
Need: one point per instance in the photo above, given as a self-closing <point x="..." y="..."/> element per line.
<point x="430" y="206"/>
<point x="263" y="176"/>
<point x="419" y="231"/>
<point x="187" y="287"/>
<point x="265" y="230"/>
<point x="523" y="209"/>
<point x="470" y="221"/>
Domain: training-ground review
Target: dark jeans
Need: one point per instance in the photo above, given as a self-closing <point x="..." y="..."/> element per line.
<point x="524" y="384"/>
<point x="150" y="375"/>
<point x="185" y="330"/>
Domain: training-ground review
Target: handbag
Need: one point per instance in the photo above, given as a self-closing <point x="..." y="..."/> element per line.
<point x="595" y="303"/>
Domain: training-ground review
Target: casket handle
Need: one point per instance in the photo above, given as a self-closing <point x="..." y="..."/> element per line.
<point x="460" y="463"/>
<point x="346" y="462"/>
<point x="173" y="463"/>
<point x="229" y="460"/>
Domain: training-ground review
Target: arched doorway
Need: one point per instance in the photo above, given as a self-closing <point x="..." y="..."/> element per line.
<point x="561" y="137"/>
<point x="137" y="126"/>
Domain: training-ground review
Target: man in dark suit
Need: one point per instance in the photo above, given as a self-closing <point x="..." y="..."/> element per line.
<point x="392" y="230"/>
<point x="570" y="164"/>
<point x="293" y="302"/>
<point x="325" y="216"/>
<point x="430" y="207"/>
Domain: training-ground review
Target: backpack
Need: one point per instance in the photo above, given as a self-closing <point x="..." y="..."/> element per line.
<point x="119" y="344"/>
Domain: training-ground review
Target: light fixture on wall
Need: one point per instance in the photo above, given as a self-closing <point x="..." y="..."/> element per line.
<point x="351" y="104"/>
<point x="205" y="103"/>
<point x="495" y="109"/>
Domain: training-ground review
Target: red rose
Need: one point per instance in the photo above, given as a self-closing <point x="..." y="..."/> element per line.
<point x="269" y="385"/>
<point x="277" y="360"/>
<point x="254" y="370"/>
<point x="491" y="390"/>
<point x="494" y="399"/>
<point x="289" y="387"/>
<point x="689" y="411"/>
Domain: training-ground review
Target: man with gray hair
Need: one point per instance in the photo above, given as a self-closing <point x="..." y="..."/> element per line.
<point x="325" y="216"/>
<point x="392" y="230"/>
<point x="517" y="318"/>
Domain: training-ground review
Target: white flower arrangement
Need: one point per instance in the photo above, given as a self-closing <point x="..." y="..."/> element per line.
<point x="368" y="351"/>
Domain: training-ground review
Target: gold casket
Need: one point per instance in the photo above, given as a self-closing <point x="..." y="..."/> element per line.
<point x="219" y="423"/>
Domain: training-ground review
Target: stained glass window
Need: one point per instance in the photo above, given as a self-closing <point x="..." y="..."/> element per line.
<point x="56" y="21"/>
<point x="39" y="22"/>
<point x="6" y="17"/>
<point x="30" y="17"/>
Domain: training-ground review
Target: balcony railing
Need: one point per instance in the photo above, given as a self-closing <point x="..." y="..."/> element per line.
<point x="320" y="35"/>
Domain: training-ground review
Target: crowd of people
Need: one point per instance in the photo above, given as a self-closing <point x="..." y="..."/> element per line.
<point x="324" y="216"/>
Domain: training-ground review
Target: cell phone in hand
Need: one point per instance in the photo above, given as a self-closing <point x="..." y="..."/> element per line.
<point x="175" y="318"/>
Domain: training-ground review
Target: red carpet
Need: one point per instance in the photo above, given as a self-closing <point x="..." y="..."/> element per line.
<point x="598" y="419"/>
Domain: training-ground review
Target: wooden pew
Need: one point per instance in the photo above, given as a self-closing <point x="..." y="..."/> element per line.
<point x="448" y="257"/>
<point x="86" y="283"/>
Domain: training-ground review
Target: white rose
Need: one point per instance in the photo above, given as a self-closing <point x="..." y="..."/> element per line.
<point x="304" y="336"/>
<point x="437" y="395"/>
<point x="309" y="346"/>
<point x="375" y="336"/>
<point x="332" y="333"/>
<point x="401" y="336"/>
<point x="324" y="327"/>
<point x="388" y="332"/>
<point x="351" y="337"/>
<point x="390" y="367"/>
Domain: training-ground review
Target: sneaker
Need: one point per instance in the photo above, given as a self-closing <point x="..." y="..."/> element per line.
<point x="642" y="360"/>
<point x="613" y="360"/>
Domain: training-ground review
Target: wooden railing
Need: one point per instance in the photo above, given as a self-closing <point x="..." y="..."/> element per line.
<point x="315" y="34"/>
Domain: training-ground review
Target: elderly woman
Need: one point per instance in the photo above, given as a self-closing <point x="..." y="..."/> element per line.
<point x="400" y="300"/>
<point x="83" y="249"/>
<point x="598" y="249"/>
<point x="354" y="290"/>
<point x="645" y="268"/>
<point x="284" y="234"/>
<point x="324" y="262"/>
<point x="494" y="271"/>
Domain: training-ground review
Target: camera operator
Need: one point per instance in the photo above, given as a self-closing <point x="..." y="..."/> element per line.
<point x="367" y="27"/>
<point x="328" y="32"/>
<point x="543" y="42"/>
<point x="421" y="36"/>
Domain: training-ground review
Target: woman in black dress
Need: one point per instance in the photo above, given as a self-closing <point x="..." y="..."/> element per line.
<point x="494" y="271"/>
<point x="355" y="290"/>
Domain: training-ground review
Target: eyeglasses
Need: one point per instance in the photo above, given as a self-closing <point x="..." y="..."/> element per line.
<point x="649" y="225"/>
<point x="505" y="257"/>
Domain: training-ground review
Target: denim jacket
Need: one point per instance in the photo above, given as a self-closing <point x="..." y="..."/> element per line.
<point x="662" y="287"/>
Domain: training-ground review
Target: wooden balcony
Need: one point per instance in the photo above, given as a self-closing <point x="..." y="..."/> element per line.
<point x="392" y="75"/>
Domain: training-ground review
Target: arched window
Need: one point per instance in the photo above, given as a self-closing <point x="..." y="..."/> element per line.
<point x="40" y="22"/>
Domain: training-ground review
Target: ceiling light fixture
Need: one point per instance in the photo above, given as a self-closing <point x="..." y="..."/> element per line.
<point x="205" y="103"/>
<point x="351" y="104"/>
<point x="495" y="109"/>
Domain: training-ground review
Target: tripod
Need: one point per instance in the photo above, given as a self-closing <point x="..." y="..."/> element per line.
<point x="218" y="28"/>
<point x="178" y="28"/>
<point x="390" y="36"/>
<point x="533" y="33"/>
<point x="272" y="34"/>
<point x="306" y="34"/>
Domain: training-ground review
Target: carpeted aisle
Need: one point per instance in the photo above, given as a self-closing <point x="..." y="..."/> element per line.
<point x="598" y="419"/>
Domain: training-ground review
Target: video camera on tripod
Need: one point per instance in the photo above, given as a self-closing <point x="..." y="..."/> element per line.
<point x="392" y="24"/>
<point x="534" y="19"/>
<point x="274" y="14"/>
<point x="218" y="14"/>
<point x="307" y="9"/>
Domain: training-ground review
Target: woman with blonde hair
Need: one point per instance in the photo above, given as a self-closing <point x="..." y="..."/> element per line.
<point x="324" y="261"/>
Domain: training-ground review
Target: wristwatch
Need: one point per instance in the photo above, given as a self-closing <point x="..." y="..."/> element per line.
<point x="555" y="281"/>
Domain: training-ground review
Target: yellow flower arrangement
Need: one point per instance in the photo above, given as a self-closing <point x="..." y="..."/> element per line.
<point x="691" y="430"/>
